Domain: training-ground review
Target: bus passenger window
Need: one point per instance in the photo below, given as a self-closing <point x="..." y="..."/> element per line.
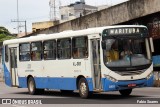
<point x="36" y="51"/>
<point x="80" y="47"/>
<point x="49" y="48"/>
<point x="64" y="48"/>
<point x="24" y="50"/>
<point x="6" y="53"/>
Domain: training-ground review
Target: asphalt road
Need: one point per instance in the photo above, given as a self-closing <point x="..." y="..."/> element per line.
<point x="56" y="97"/>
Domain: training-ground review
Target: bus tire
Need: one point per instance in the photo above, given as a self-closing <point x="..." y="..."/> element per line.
<point x="125" y="92"/>
<point x="32" y="87"/>
<point x="83" y="88"/>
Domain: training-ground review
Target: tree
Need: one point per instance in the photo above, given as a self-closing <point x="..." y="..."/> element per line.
<point x="5" y="34"/>
<point x="4" y="37"/>
<point x="5" y="31"/>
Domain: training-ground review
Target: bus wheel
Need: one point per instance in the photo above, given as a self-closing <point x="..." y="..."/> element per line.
<point x="83" y="88"/>
<point x="125" y="92"/>
<point x="32" y="87"/>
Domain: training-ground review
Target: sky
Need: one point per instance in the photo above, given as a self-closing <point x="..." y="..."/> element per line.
<point x="35" y="11"/>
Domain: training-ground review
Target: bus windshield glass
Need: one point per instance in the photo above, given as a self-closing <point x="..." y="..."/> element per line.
<point x="125" y="52"/>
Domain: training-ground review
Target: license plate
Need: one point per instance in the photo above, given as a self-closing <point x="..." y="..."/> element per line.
<point x="131" y="85"/>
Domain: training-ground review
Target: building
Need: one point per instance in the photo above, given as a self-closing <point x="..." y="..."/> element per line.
<point x="37" y="26"/>
<point x="76" y="10"/>
<point x="22" y="34"/>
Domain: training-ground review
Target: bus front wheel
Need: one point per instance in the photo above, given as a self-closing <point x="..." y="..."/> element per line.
<point x="32" y="87"/>
<point x="125" y="92"/>
<point x="83" y="88"/>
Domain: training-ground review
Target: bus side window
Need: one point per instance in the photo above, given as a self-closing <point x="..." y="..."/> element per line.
<point x="6" y="53"/>
<point x="80" y="47"/>
<point x="24" y="52"/>
<point x="49" y="49"/>
<point x="64" y="48"/>
<point x="36" y="51"/>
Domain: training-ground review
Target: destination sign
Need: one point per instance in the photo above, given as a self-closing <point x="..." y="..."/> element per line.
<point x="124" y="31"/>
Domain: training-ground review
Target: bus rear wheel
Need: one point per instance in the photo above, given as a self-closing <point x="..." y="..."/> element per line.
<point x="83" y="88"/>
<point x="32" y="87"/>
<point x="125" y="92"/>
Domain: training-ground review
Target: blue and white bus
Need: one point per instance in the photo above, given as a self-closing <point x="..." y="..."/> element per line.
<point x="111" y="58"/>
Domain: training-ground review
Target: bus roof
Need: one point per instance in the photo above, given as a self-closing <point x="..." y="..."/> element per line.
<point x="65" y="34"/>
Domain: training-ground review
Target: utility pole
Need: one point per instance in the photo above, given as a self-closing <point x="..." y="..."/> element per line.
<point x="17" y="16"/>
<point x="53" y="9"/>
<point x="24" y="26"/>
<point x="54" y="6"/>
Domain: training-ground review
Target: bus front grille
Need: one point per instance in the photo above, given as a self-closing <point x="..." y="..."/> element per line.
<point x="127" y="73"/>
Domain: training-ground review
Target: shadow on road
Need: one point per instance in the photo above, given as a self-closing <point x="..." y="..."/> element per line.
<point x="56" y="97"/>
<point x="75" y="95"/>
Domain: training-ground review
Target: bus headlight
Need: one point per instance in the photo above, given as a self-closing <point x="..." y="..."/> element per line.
<point x="149" y="76"/>
<point x="110" y="78"/>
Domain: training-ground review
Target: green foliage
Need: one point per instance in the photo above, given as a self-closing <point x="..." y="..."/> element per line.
<point x="5" y="31"/>
<point x="4" y="37"/>
<point x="5" y="34"/>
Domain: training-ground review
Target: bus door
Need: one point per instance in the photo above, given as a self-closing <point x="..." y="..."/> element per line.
<point x="95" y="44"/>
<point x="13" y="66"/>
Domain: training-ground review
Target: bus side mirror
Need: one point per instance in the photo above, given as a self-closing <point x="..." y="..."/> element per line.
<point x="103" y="45"/>
<point x="151" y="44"/>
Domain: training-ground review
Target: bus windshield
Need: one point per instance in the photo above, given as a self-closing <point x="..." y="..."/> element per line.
<point x="125" y="53"/>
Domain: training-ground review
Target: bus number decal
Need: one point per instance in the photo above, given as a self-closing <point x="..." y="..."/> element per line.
<point x="76" y="63"/>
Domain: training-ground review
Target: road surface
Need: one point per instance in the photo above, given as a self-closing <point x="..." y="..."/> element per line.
<point x="56" y="97"/>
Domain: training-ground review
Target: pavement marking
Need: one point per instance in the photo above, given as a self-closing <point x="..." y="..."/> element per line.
<point x="17" y="106"/>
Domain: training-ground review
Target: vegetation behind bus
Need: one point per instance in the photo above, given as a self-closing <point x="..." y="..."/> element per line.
<point x="5" y="34"/>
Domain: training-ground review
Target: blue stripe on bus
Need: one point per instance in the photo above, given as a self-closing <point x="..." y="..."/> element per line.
<point x="150" y="81"/>
<point x="7" y="76"/>
<point x="54" y="83"/>
<point x="70" y="83"/>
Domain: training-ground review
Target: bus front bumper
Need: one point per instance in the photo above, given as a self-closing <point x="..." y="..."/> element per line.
<point x="109" y="85"/>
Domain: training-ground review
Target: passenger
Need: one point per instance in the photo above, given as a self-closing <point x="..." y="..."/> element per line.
<point x="125" y="52"/>
<point x="114" y="51"/>
<point x="38" y="56"/>
<point x="75" y="53"/>
<point x="33" y="56"/>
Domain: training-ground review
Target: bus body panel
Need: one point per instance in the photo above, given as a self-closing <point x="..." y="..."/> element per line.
<point x="7" y="75"/>
<point x="54" y="83"/>
<point x="61" y="76"/>
<point x="130" y="77"/>
<point x="63" y="73"/>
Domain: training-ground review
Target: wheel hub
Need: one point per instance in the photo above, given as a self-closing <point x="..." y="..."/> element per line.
<point x="83" y="88"/>
<point x="31" y="86"/>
